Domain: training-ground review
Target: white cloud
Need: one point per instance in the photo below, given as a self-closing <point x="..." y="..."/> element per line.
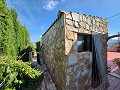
<point x="50" y="4"/>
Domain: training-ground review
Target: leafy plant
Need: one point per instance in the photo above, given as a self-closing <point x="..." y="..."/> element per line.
<point x="18" y="75"/>
<point x="116" y="61"/>
<point x="14" y="42"/>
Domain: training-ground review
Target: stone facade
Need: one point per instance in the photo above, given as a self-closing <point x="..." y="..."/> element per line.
<point x="54" y="51"/>
<point x="69" y="69"/>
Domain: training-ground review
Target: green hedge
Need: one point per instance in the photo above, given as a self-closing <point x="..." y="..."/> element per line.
<point x="14" y="37"/>
<point x="19" y="75"/>
<point x="14" y="41"/>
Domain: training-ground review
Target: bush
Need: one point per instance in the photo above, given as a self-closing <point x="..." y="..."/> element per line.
<point x="116" y="61"/>
<point x="18" y="75"/>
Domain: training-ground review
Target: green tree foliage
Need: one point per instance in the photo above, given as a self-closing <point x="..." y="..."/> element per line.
<point x="14" y="36"/>
<point x="19" y="75"/>
<point x="14" y="42"/>
<point x="6" y="30"/>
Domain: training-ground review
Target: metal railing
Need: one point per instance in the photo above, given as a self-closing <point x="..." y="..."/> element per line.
<point x="2" y="84"/>
<point x="22" y="55"/>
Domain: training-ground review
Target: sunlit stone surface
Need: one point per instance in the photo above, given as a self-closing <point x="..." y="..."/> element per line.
<point x="71" y="70"/>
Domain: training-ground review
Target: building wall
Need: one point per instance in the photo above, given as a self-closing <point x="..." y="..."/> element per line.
<point x="69" y="69"/>
<point x="54" y="51"/>
<point x="79" y="65"/>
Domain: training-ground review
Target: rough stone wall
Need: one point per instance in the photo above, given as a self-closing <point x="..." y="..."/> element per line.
<point x="69" y="69"/>
<point x="54" y="51"/>
<point x="79" y="65"/>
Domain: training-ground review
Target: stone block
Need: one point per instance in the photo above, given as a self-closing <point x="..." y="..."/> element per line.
<point x="81" y="18"/>
<point x="71" y="28"/>
<point x="91" y="27"/>
<point x="69" y="35"/>
<point x="75" y="38"/>
<point x="78" y="74"/>
<point x="81" y="30"/>
<point x="58" y="24"/>
<point x="75" y="17"/>
<point x="93" y="21"/>
<point x="76" y="68"/>
<point x="70" y="70"/>
<point x="84" y="72"/>
<point x="87" y="55"/>
<point x="68" y="16"/>
<point x="72" y="59"/>
<point x="86" y="31"/>
<point x="82" y="24"/>
<point x="68" y="46"/>
<point x="87" y="62"/>
<point x="76" y="86"/>
<point x="84" y="18"/>
<point x="75" y="46"/>
<point x="67" y="80"/>
<point x="54" y="33"/>
<point x="62" y="21"/>
<point x="87" y="26"/>
<point x="63" y="43"/>
<point x="76" y="25"/>
<point x="80" y="55"/>
<point x="57" y="34"/>
<point x="97" y="24"/>
<point x="75" y="52"/>
<point x="69" y="22"/>
<point x="97" y="19"/>
<point x="89" y="21"/>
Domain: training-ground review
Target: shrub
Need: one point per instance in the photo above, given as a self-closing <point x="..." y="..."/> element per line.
<point x="116" y="61"/>
<point x="18" y="75"/>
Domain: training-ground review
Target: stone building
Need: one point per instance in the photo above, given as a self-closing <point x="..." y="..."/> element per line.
<point x="68" y="50"/>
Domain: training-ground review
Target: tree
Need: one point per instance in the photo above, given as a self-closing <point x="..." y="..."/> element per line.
<point x="6" y="31"/>
<point x="14" y="37"/>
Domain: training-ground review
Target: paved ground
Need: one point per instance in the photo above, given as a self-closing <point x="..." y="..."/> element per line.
<point x="114" y="82"/>
<point x="111" y="56"/>
<point x="48" y="84"/>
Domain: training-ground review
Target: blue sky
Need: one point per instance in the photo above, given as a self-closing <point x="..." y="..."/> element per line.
<point x="38" y="15"/>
